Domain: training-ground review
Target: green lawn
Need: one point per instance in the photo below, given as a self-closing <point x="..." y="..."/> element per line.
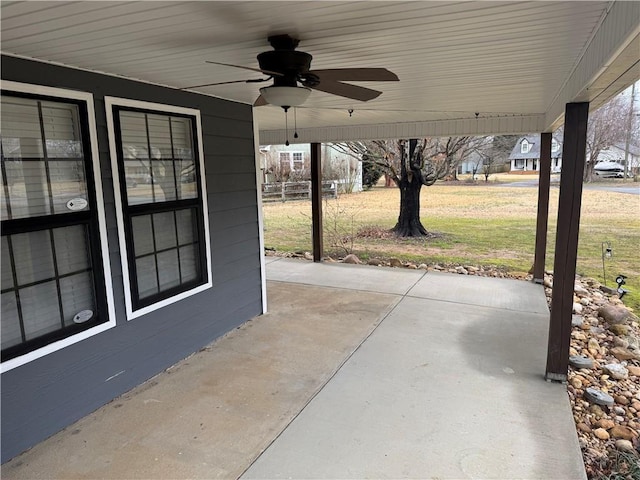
<point x="474" y="224"/>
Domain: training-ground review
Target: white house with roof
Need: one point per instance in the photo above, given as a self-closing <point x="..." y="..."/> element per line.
<point x="525" y="156"/>
<point x="281" y="163"/>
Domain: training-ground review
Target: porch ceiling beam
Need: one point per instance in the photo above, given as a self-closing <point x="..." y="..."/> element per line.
<point x="483" y="125"/>
<point x="609" y="64"/>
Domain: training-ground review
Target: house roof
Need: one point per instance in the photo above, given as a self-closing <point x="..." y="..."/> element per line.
<point x="464" y="67"/>
<point x="534" y="152"/>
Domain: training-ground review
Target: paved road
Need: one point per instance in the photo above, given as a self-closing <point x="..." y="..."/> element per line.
<point x="633" y="189"/>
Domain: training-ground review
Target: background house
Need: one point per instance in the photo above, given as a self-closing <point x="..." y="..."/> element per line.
<point x="281" y="163"/>
<point x="525" y="156"/>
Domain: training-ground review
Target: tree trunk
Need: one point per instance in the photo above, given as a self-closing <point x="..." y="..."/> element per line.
<point x="409" y="224"/>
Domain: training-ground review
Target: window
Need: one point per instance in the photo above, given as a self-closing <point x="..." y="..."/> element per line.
<point x="298" y="161"/>
<point x="54" y="267"/>
<point x="525" y="146"/>
<point x="291" y="162"/>
<point x="157" y="158"/>
<point x="554" y="145"/>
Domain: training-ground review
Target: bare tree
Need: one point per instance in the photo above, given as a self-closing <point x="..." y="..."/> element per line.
<point x="411" y="164"/>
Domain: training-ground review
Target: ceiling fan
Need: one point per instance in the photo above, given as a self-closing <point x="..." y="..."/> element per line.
<point x="293" y="79"/>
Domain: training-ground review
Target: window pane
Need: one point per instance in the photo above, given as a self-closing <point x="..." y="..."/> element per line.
<point x="28" y="190"/>
<point x="68" y="183"/>
<point x="182" y="138"/>
<point x="133" y="129"/>
<point x="142" y="235"/>
<point x="61" y="130"/>
<point x="186" y="224"/>
<point x="77" y="295"/>
<point x="159" y="137"/>
<point x="11" y="334"/>
<point x="189" y="263"/>
<point x="164" y="181"/>
<point x="147" y="281"/>
<point x="21" y="135"/>
<point x="165" y="230"/>
<point x="40" y="309"/>
<point x="32" y="252"/>
<point x="7" y="275"/>
<point x="168" y="270"/>
<point x="187" y="182"/>
<point x="71" y="249"/>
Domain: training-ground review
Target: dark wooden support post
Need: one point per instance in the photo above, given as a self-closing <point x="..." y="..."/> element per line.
<point x="543" y="207"/>
<point x="316" y="201"/>
<point x="566" y="252"/>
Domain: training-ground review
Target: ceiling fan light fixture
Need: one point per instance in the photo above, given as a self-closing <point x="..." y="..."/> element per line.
<point x="284" y="96"/>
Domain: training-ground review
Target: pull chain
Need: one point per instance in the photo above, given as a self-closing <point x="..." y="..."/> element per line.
<point x="286" y="125"/>
<point x="295" y="123"/>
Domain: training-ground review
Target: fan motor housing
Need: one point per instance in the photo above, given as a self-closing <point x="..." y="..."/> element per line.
<point x="289" y="63"/>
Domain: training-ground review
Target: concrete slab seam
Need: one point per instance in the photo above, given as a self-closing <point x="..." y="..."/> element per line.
<point x="389" y="311"/>
<point x="470" y="304"/>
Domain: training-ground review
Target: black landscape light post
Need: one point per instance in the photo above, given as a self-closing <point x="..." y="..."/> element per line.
<point x="607" y="252"/>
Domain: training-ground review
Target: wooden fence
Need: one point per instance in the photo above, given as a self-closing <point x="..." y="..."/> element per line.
<point x="284" y="191"/>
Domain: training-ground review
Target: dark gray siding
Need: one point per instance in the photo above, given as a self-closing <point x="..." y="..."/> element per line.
<point x="44" y="396"/>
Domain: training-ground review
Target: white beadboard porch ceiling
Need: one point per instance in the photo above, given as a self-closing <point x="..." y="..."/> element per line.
<point x="514" y="63"/>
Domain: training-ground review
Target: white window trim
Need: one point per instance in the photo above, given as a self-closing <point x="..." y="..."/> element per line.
<point x="64" y="94"/>
<point x="110" y="102"/>
<point x="525" y="146"/>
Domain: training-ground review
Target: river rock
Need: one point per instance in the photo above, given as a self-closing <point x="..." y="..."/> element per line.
<point x="609" y="290"/>
<point x="633" y="370"/>
<point x="576" y="320"/>
<point x="621" y="399"/>
<point x="617" y="371"/>
<point x="605" y="423"/>
<point x="576" y="382"/>
<point x="351" y="258"/>
<point x="619" y="329"/>
<point x="577" y="308"/>
<point x="598" y="397"/>
<point x="593" y="346"/>
<point x="394" y="262"/>
<point x="601" y="433"/>
<point x="374" y="261"/>
<point x="584" y="427"/>
<point x="614" y="315"/>
<point x="624" y="446"/>
<point x="579" y="289"/>
<point x="462" y="270"/>
<point x="622" y="353"/>
<point x="621" y="431"/>
<point x="579" y="361"/>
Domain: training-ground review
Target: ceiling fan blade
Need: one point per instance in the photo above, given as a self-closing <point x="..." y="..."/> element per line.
<point x="267" y="72"/>
<point x="217" y="83"/>
<point x="346" y="90"/>
<point x="260" y="102"/>
<point x="356" y="75"/>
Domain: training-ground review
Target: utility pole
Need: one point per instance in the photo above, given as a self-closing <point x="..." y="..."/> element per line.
<point x="629" y="124"/>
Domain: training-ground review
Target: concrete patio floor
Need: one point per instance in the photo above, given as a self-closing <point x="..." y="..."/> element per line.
<point x="355" y="372"/>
